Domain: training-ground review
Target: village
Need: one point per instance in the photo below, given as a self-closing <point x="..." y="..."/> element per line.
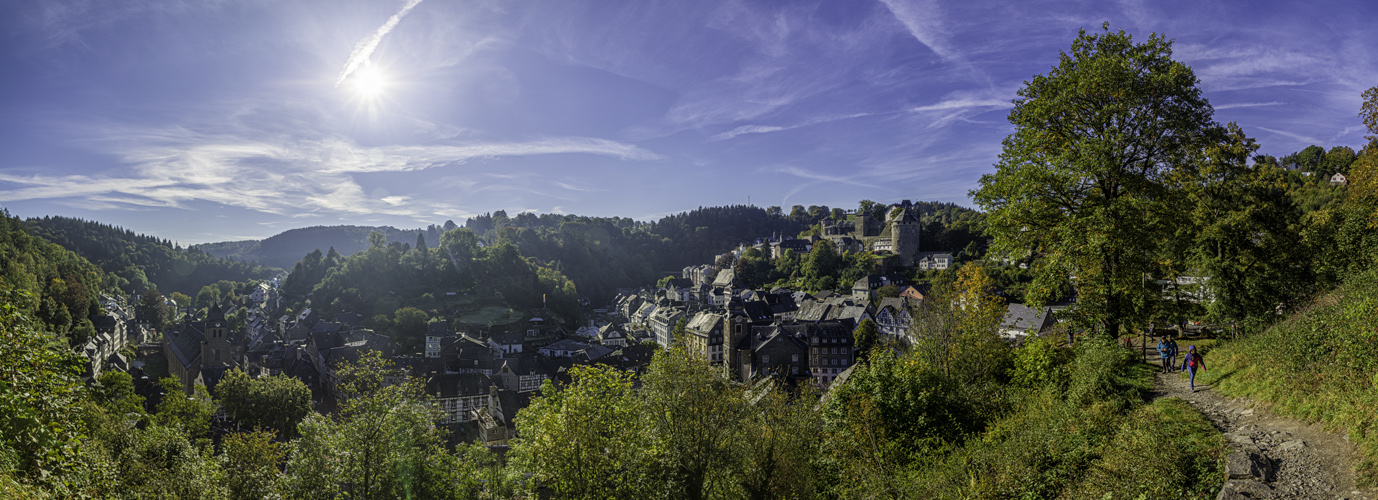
<point x="480" y="376"/>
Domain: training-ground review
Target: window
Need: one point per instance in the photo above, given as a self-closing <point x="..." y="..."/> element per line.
<point x="844" y="362"/>
<point x="765" y="359"/>
<point x="794" y="357"/>
<point x="815" y="350"/>
<point x="834" y="350"/>
<point x="844" y="350"/>
<point x="794" y="370"/>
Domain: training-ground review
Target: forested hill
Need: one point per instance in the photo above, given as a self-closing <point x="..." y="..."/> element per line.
<point x="286" y="248"/>
<point x="601" y="254"/>
<point x="137" y="262"/>
<point x="46" y="281"/>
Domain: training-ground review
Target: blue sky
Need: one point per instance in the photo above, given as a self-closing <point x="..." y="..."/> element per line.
<point x="204" y="120"/>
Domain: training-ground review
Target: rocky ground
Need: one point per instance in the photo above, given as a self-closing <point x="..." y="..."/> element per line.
<point x="1272" y="456"/>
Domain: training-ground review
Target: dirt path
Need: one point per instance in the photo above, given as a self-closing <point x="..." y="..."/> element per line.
<point x="1271" y="456"/>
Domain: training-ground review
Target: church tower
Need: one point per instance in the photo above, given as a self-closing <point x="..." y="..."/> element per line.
<point x="736" y="328"/>
<point x="217" y="349"/>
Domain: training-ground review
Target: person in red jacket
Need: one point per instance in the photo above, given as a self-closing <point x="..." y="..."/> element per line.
<point x="1191" y="363"/>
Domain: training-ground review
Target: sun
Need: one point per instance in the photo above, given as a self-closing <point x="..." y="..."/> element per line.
<point x="369" y="82"/>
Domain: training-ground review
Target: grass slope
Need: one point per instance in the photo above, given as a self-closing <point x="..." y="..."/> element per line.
<point x="1320" y="365"/>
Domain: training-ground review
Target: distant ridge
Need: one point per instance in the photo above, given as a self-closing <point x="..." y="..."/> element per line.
<point x="284" y="249"/>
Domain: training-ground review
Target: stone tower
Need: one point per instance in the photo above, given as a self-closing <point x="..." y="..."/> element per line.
<point x="904" y="233"/>
<point x="736" y="327"/>
<point x="217" y="350"/>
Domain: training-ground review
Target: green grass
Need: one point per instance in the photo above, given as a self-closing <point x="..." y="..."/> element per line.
<point x="491" y="315"/>
<point x="1163" y="450"/>
<point x="1320" y="365"/>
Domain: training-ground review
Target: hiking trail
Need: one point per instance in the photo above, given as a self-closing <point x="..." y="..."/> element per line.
<point x="1270" y="456"/>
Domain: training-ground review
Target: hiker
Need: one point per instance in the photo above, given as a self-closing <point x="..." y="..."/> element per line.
<point x="1191" y="363"/>
<point x="1163" y="350"/>
<point x="1172" y="353"/>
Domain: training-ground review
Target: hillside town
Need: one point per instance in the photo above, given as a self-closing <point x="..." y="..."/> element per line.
<point x="481" y="375"/>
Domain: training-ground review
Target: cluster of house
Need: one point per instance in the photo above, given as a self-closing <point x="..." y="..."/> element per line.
<point x="780" y="333"/>
<point x="115" y="330"/>
<point x="479" y="376"/>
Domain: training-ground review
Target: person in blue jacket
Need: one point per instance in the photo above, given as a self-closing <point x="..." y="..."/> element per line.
<point x="1191" y="363"/>
<point x="1172" y="353"/>
<point x="1164" y="351"/>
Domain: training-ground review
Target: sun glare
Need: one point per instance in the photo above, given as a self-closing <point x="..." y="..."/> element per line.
<point x="369" y="83"/>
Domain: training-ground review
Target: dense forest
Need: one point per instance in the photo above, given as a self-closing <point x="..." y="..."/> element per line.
<point x="135" y="263"/>
<point x="60" y="289"/>
<point x="455" y="273"/>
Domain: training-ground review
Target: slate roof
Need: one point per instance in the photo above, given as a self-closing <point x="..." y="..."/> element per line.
<point x="566" y="345"/>
<point x="1026" y="319"/>
<point x="726" y="278"/>
<point x="593" y="353"/>
<point x="894" y="303"/>
<point x="704" y="322"/>
<point x="185" y="341"/>
<point x="758" y="311"/>
<point x="437" y="329"/>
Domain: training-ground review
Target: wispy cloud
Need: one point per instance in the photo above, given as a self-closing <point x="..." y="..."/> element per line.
<point x="963" y="103"/>
<point x="961" y="106"/>
<point x="747" y="129"/>
<point x="815" y="176"/>
<point x="925" y="23"/>
<point x="1293" y="135"/>
<point x="765" y="129"/>
<point x="1248" y="105"/>
<point x="365" y="47"/>
<point x="297" y="178"/>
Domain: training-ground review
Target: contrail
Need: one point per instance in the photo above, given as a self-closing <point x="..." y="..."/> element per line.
<point x="364" y="48"/>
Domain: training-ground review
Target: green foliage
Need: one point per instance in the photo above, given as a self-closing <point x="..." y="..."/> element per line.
<point x="377" y="446"/>
<point x="1245" y="231"/>
<point x="64" y="286"/>
<point x="115" y="390"/>
<point x="384" y="279"/>
<point x="38" y="385"/>
<point x="865" y="337"/>
<point x="597" y="457"/>
<point x="1163" y="450"/>
<point x="1317" y="365"/>
<point x="153" y="310"/>
<point x="190" y="415"/>
<point x="410" y="325"/>
<point x="136" y="263"/>
<point x="1040" y="363"/>
<point x="254" y="460"/>
<point x="276" y="403"/>
<point x="1084" y="180"/>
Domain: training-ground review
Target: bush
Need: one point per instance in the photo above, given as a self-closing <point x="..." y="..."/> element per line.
<point x="1163" y="450"/>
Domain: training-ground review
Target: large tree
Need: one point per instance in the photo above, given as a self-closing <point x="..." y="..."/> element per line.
<point x="1083" y="184"/>
<point x="1246" y="237"/>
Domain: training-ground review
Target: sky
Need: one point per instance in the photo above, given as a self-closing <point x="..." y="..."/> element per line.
<point x="213" y="120"/>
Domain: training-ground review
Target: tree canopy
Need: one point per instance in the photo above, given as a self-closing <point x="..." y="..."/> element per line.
<point x="1085" y="181"/>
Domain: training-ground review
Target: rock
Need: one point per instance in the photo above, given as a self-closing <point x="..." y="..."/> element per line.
<point x="1236" y="489"/>
<point x="1238" y="438"/>
<point x="1247" y="412"/>
<point x="1295" y="444"/>
<point x="1248" y="463"/>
